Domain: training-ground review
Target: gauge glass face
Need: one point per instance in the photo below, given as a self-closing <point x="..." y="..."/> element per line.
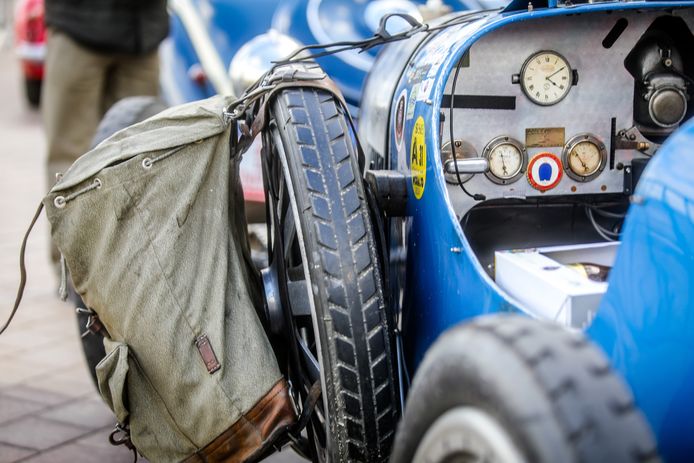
<point x="505" y="161"/>
<point x="546" y="78"/>
<point x="585" y="158"/>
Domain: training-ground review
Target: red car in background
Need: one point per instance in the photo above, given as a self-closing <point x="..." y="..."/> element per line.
<point x="30" y="42"/>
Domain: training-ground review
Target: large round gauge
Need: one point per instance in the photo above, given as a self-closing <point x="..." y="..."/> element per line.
<point x="546" y="78"/>
<point x="507" y="159"/>
<point x="584" y="157"/>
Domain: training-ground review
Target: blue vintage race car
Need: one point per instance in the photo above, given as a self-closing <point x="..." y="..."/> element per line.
<point x="497" y="264"/>
<point x="520" y="136"/>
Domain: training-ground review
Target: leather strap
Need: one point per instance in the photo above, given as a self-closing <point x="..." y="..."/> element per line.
<point x="22" y="269"/>
<point x="256" y="107"/>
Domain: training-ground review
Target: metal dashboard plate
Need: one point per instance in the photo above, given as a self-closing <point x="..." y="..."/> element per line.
<point x="605" y="89"/>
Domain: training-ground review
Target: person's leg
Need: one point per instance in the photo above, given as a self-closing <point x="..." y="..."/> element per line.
<point x="133" y="76"/>
<point x="71" y="102"/>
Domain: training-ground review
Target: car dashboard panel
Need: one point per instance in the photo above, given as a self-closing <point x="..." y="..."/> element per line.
<point x="565" y="106"/>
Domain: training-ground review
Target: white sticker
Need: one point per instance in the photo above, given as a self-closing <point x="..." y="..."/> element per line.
<point x="411" y="102"/>
<point x="425" y="89"/>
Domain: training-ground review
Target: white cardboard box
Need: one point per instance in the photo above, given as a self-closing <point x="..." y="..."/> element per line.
<point x="538" y="279"/>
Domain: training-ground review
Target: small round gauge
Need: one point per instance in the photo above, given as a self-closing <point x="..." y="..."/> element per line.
<point x="507" y="159"/>
<point x="584" y="157"/>
<point x="546" y="78"/>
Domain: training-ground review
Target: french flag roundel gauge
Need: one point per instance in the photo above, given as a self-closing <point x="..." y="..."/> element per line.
<point x="544" y="171"/>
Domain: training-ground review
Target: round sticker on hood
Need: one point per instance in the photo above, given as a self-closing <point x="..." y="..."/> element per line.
<point x="544" y="171"/>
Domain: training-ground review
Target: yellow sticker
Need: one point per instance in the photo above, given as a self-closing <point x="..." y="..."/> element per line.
<point x="418" y="158"/>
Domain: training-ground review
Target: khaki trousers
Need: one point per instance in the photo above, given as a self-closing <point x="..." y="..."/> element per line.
<point x="79" y="87"/>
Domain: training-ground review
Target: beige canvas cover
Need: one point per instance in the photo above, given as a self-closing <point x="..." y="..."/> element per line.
<point x="152" y="229"/>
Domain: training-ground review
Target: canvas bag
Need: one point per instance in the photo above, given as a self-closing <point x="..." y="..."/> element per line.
<point x="152" y="229"/>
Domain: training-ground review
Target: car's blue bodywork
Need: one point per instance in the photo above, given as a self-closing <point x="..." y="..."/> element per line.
<point x="646" y="319"/>
<point x="646" y="322"/>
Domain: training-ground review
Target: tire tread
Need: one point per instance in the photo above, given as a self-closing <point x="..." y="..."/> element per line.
<point x="334" y="199"/>
<point x="571" y="386"/>
<point x="551" y="389"/>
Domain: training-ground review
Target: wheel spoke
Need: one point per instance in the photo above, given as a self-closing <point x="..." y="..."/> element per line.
<point x="289" y="233"/>
<point x="310" y="361"/>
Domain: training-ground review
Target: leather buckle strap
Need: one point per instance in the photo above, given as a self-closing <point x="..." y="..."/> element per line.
<point x="121" y="436"/>
<point x="93" y="325"/>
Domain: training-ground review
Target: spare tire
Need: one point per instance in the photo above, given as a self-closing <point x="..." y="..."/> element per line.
<point x="125" y="113"/>
<point x="331" y="256"/>
<point x="507" y="388"/>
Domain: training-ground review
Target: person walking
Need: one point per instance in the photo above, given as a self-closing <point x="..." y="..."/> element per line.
<point x="98" y="51"/>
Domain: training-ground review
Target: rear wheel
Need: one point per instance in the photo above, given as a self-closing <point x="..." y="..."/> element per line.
<point x="512" y="389"/>
<point x="324" y="257"/>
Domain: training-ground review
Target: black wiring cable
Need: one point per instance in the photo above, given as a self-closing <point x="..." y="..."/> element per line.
<point x="681" y="74"/>
<point x="476" y="196"/>
<point x="607" y="235"/>
<point x="380" y="37"/>
<point x="608" y="214"/>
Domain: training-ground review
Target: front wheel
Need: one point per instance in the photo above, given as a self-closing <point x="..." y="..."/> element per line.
<point x="506" y="388"/>
<point x="324" y="255"/>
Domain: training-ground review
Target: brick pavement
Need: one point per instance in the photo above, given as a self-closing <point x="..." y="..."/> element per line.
<point x="49" y="409"/>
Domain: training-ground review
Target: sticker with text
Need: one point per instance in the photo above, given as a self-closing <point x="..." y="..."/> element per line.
<point x="418" y="158"/>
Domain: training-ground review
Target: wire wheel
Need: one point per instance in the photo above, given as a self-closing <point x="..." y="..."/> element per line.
<point x="328" y="300"/>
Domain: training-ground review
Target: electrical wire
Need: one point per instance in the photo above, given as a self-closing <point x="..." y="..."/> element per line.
<point x="476" y="196"/>
<point x="607" y="235"/>
<point x="380" y="37"/>
<point x="608" y="214"/>
<point x="682" y="75"/>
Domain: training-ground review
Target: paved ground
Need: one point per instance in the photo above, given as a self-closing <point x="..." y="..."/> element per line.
<point x="49" y="409"/>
